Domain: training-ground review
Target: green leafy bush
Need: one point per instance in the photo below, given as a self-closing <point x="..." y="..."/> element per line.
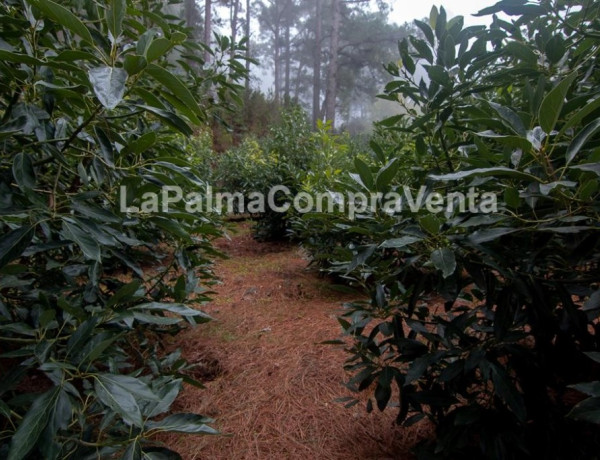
<point x="291" y="155"/>
<point x="481" y="321"/>
<point x="94" y="99"/>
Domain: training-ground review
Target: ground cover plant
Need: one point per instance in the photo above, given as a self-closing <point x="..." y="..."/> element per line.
<point x="96" y="99"/>
<point x="511" y="109"/>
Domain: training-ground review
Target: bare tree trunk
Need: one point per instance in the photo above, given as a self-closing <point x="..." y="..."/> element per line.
<point x="233" y="19"/>
<point x="330" y="96"/>
<point x="191" y="16"/>
<point x="277" y="58"/>
<point x="288" y="59"/>
<point x="248" y="47"/>
<point x="317" y="65"/>
<point x="207" y="27"/>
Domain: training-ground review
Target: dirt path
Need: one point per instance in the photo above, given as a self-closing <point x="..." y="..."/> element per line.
<point x="270" y="385"/>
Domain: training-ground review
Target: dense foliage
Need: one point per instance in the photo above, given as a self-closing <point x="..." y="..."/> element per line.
<point x="484" y="323"/>
<point x="291" y="155"/>
<point x="95" y="100"/>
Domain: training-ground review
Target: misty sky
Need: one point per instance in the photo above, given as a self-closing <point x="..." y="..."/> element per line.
<point x="407" y="10"/>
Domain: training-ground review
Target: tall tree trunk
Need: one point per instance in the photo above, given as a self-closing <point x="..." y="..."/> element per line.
<point x="248" y="48"/>
<point x="330" y="97"/>
<point x="207" y="27"/>
<point x="317" y="65"/>
<point x="277" y="59"/>
<point x="288" y="58"/>
<point x="233" y="19"/>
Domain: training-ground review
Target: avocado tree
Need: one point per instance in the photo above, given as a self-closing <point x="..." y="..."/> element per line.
<point x="96" y="99"/>
<point x="481" y="318"/>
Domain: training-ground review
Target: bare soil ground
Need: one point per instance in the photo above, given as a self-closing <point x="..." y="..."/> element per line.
<point x="270" y="384"/>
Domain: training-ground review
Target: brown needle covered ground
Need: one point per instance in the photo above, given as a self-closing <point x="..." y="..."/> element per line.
<point x="270" y="385"/>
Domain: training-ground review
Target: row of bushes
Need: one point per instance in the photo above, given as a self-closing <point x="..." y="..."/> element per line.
<point x="485" y="323"/>
<point x="291" y="154"/>
<point x="96" y="101"/>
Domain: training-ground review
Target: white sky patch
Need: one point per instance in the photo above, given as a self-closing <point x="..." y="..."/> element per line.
<point x="408" y="10"/>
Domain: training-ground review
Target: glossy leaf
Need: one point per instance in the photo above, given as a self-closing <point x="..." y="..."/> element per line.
<point x="553" y="103"/>
<point x="13" y="243"/>
<point x="32" y="425"/>
<point x="115" y="13"/>
<point x="63" y="16"/>
<point x="444" y="260"/>
<point x="108" y="84"/>
<point x="580" y="140"/>
<point x="183" y="423"/>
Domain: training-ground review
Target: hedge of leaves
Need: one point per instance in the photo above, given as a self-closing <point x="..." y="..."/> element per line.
<point x="485" y="323"/>
<point x="95" y="98"/>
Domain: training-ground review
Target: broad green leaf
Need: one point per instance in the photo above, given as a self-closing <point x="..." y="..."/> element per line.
<point x="365" y="173"/>
<point x="484" y="172"/>
<point x="433" y="17"/>
<point x="32" y="425"/>
<point x="588" y="188"/>
<point x="517" y="142"/>
<point x="154" y="319"/>
<point x="133" y="451"/>
<point x="118" y="399"/>
<point x="581" y="138"/>
<point x="183" y="423"/>
<point x="440" y="23"/>
<point x="555" y="49"/>
<point x="520" y="51"/>
<point x="23" y="171"/>
<point x="64" y="17"/>
<point x="579" y="116"/>
<point x="95" y="212"/>
<point x="166" y="396"/>
<point x="506" y="390"/>
<point x="449" y="52"/>
<point x="378" y="152"/>
<point x="444" y="260"/>
<point x="587" y="410"/>
<point x="86" y="243"/>
<point x="553" y="103"/>
<point x="175" y="85"/>
<point x="137" y="387"/>
<point x="114" y="18"/>
<point x="439" y="75"/>
<point x="145" y="40"/>
<point x="594" y="355"/>
<point x="177" y="308"/>
<point x="426" y="31"/>
<point x="511" y="118"/>
<point x="170" y="118"/>
<point x="13" y="243"/>
<point x="143" y="143"/>
<point x="97" y="351"/>
<point x="431" y="224"/>
<point x="591" y="167"/>
<point x="387" y="174"/>
<point x="160" y="453"/>
<point x="511" y="197"/>
<point x="134" y="64"/>
<point x="157" y="49"/>
<point x="81" y="336"/>
<point x="588" y="388"/>
<point x="407" y="61"/>
<point x="19" y="58"/>
<point x="545" y="189"/>
<point x="109" y="85"/>
<point x="397" y="243"/>
<point x="4" y="410"/>
<point x="491" y="234"/>
<point x="125" y="294"/>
